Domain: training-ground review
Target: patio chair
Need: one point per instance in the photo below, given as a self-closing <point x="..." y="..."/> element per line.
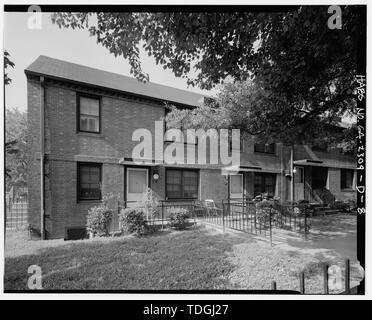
<point x="211" y="207"/>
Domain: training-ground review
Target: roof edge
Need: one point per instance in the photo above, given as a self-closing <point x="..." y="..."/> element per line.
<point x="29" y="72"/>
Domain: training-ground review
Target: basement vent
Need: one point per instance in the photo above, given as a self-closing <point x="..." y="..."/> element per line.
<point x="76" y="233"/>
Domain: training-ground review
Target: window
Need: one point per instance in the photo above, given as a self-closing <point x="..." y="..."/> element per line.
<point x="264" y="183"/>
<point x="265" y="148"/>
<point x="241" y="146"/>
<point x="89" y="114"/>
<point x="89" y="181"/>
<point x="182" y="184"/>
<point x="347" y="178"/>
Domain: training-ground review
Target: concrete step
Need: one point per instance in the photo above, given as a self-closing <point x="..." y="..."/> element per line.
<point x="326" y="211"/>
<point x="316" y="205"/>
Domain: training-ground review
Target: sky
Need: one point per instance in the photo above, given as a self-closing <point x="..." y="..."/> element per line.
<point x="25" y="45"/>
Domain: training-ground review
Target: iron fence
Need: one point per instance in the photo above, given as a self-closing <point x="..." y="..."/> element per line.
<point x="295" y="217"/>
<point x="239" y="214"/>
<point x="259" y="218"/>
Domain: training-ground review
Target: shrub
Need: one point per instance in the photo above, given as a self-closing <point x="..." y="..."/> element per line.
<point x="150" y="202"/>
<point x="263" y="210"/>
<point x="344" y="206"/>
<point x="132" y="220"/>
<point x="178" y="218"/>
<point x="98" y="220"/>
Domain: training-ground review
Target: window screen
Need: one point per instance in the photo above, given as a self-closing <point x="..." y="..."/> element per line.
<point x="89" y="181"/>
<point x="265" y="148"/>
<point x="182" y="184"/>
<point x="89" y="114"/>
<point x="264" y="183"/>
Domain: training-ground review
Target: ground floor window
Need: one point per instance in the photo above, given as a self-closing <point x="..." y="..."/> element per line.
<point x="89" y="181"/>
<point x="264" y="183"/>
<point x="347" y="177"/>
<point x="182" y="184"/>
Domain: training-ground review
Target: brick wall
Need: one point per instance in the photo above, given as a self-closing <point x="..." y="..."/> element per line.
<point x="33" y="144"/>
<point x="64" y="147"/>
<point x="334" y="185"/>
<point x="120" y="116"/>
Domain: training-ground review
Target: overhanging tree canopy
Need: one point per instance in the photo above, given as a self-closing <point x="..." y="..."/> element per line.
<point x="303" y="70"/>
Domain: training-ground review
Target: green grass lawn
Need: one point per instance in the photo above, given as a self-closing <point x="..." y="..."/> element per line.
<point x="191" y="259"/>
<point x="197" y="259"/>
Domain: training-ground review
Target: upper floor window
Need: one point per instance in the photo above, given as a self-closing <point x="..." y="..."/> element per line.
<point x="230" y="143"/>
<point x="265" y="148"/>
<point x="89" y="181"/>
<point x="89" y="114"/>
<point x="347" y="178"/>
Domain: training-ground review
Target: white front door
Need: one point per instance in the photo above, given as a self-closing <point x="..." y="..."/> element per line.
<point x="137" y="183"/>
<point x="299" y="187"/>
<point x="236" y="186"/>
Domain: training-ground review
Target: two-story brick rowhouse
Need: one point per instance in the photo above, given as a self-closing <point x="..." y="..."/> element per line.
<point x="81" y="122"/>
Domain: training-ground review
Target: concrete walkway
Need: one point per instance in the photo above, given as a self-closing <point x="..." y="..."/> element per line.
<point x="332" y="237"/>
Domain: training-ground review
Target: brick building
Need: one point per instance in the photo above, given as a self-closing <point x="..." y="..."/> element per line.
<point x="81" y="122"/>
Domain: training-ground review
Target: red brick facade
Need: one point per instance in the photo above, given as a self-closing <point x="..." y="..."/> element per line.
<point x="121" y="114"/>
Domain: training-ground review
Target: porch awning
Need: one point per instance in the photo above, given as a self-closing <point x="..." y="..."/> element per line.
<point x="308" y="162"/>
<point x="250" y="168"/>
<point x="241" y="169"/>
<point x="320" y="163"/>
<point x="141" y="162"/>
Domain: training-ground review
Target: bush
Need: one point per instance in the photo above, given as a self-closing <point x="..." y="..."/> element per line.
<point x="132" y="220"/>
<point x="344" y="206"/>
<point x="263" y="209"/>
<point x="150" y="201"/>
<point x="178" y="218"/>
<point x="98" y="220"/>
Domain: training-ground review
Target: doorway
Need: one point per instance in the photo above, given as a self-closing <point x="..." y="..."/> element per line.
<point x="299" y="187"/>
<point x="136" y="184"/>
<point x="319" y="177"/>
<point x="236" y="186"/>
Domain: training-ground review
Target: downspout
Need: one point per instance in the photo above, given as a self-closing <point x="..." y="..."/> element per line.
<point x="228" y="193"/>
<point x="292" y="175"/>
<point x="282" y="177"/>
<point x="42" y="182"/>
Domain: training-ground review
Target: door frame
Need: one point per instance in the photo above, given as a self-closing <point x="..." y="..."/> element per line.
<point x="243" y="183"/>
<point x="303" y="182"/>
<point x="126" y="167"/>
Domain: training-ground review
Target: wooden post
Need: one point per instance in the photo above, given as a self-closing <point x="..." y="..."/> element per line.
<point x="223" y="216"/>
<point x="347" y="276"/>
<point x="292" y="175"/>
<point x="42" y="160"/>
<point x="273" y="285"/>
<point x="305" y="226"/>
<point x="255" y="218"/>
<point x="162" y="215"/>
<point x="325" y="278"/>
<point x="193" y="212"/>
<point x="271" y="234"/>
<point x="302" y="282"/>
